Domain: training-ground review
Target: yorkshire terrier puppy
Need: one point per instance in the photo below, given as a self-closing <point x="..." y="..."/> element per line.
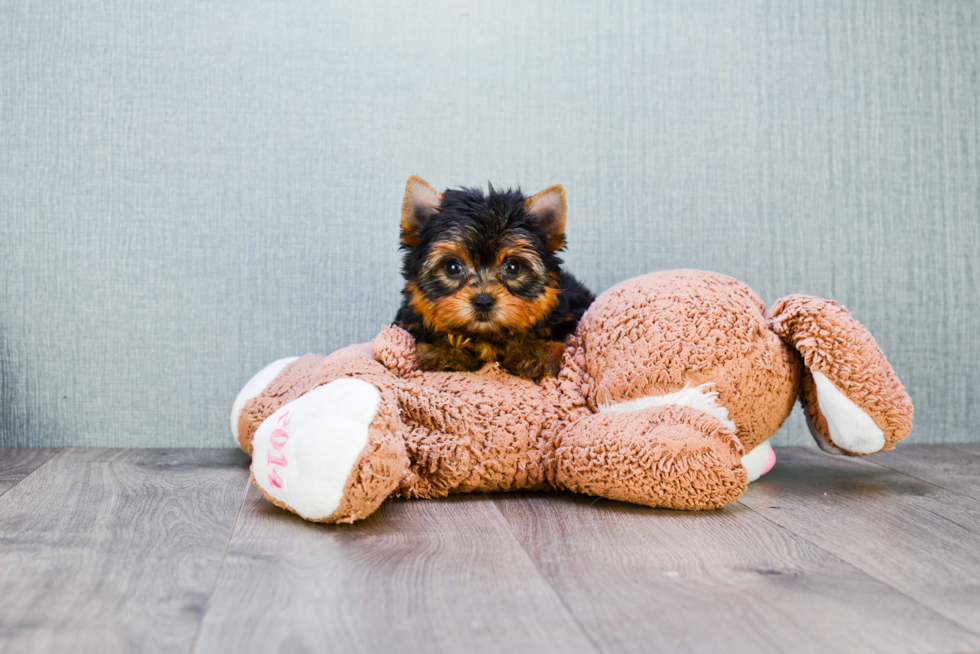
<point x="483" y="280"/>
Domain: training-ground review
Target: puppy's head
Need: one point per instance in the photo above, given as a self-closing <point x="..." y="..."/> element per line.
<point x="482" y="265"/>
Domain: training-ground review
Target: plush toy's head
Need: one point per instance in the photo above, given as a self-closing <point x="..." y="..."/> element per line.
<point x="700" y="338"/>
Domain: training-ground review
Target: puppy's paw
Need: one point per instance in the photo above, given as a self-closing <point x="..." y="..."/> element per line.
<point x="445" y="357"/>
<point x="535" y="360"/>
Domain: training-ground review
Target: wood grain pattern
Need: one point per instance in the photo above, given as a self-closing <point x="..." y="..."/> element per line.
<point x="915" y="536"/>
<point x="135" y="550"/>
<point x="644" y="580"/>
<point x="17" y="463"/>
<point x="418" y="576"/>
<point x="954" y="467"/>
<point x="115" y="550"/>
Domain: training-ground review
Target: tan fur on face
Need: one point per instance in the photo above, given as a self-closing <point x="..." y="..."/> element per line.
<point x="455" y="312"/>
<point x="441" y="253"/>
<point x="518" y="250"/>
<point x="520" y="315"/>
<point x="522" y="251"/>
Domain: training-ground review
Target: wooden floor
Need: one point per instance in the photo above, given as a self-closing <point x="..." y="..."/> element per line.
<point x="175" y="551"/>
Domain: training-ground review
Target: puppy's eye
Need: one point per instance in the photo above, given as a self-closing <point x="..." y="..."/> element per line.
<point x="454" y="268"/>
<point x="512" y="268"/>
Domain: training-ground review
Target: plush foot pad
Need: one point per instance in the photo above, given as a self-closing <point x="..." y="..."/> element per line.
<point x="851" y="429"/>
<point x="759" y="461"/>
<point x="304" y="453"/>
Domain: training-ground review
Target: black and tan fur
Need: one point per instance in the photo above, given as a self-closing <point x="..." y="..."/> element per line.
<point x="483" y="280"/>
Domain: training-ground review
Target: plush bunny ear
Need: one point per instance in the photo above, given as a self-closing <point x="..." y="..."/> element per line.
<point x="421" y="203"/>
<point x="548" y="210"/>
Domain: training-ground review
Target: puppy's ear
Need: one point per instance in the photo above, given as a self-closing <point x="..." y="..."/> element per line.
<point x="548" y="210"/>
<point x="421" y="203"/>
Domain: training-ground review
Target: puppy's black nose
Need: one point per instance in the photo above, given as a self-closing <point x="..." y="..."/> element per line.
<point x="483" y="302"/>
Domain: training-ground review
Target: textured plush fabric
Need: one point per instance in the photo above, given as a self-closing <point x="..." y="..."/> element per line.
<point x="438" y="432"/>
<point x="724" y="331"/>
<point x="189" y="190"/>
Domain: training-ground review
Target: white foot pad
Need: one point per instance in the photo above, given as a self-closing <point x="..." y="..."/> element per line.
<point x="759" y="461"/>
<point x="851" y="429"/>
<point x="303" y="453"/>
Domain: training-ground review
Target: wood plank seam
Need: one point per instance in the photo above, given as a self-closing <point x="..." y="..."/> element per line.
<point x="109" y="549"/>
<point x="860" y="569"/>
<point x="49" y="456"/>
<point x="879" y="464"/>
<point x="931" y="483"/>
<point x="923" y="480"/>
<point x="544" y="577"/>
<point x="221" y="563"/>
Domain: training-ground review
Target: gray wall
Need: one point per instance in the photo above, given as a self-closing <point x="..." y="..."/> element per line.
<point x="191" y="190"/>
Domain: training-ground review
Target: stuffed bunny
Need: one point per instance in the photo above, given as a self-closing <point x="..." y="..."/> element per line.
<point x="669" y="390"/>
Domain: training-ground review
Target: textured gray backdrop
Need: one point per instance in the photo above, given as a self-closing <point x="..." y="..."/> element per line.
<point x="190" y="190"/>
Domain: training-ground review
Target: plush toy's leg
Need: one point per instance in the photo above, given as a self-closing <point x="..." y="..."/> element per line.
<point x="332" y="455"/>
<point x="665" y="456"/>
<point x="853" y="401"/>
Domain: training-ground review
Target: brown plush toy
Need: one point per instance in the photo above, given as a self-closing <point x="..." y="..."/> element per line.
<point x="668" y="392"/>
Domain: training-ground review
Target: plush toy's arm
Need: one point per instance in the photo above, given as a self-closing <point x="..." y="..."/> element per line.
<point x="665" y="456"/>
<point x="395" y="349"/>
<point x="854" y="402"/>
